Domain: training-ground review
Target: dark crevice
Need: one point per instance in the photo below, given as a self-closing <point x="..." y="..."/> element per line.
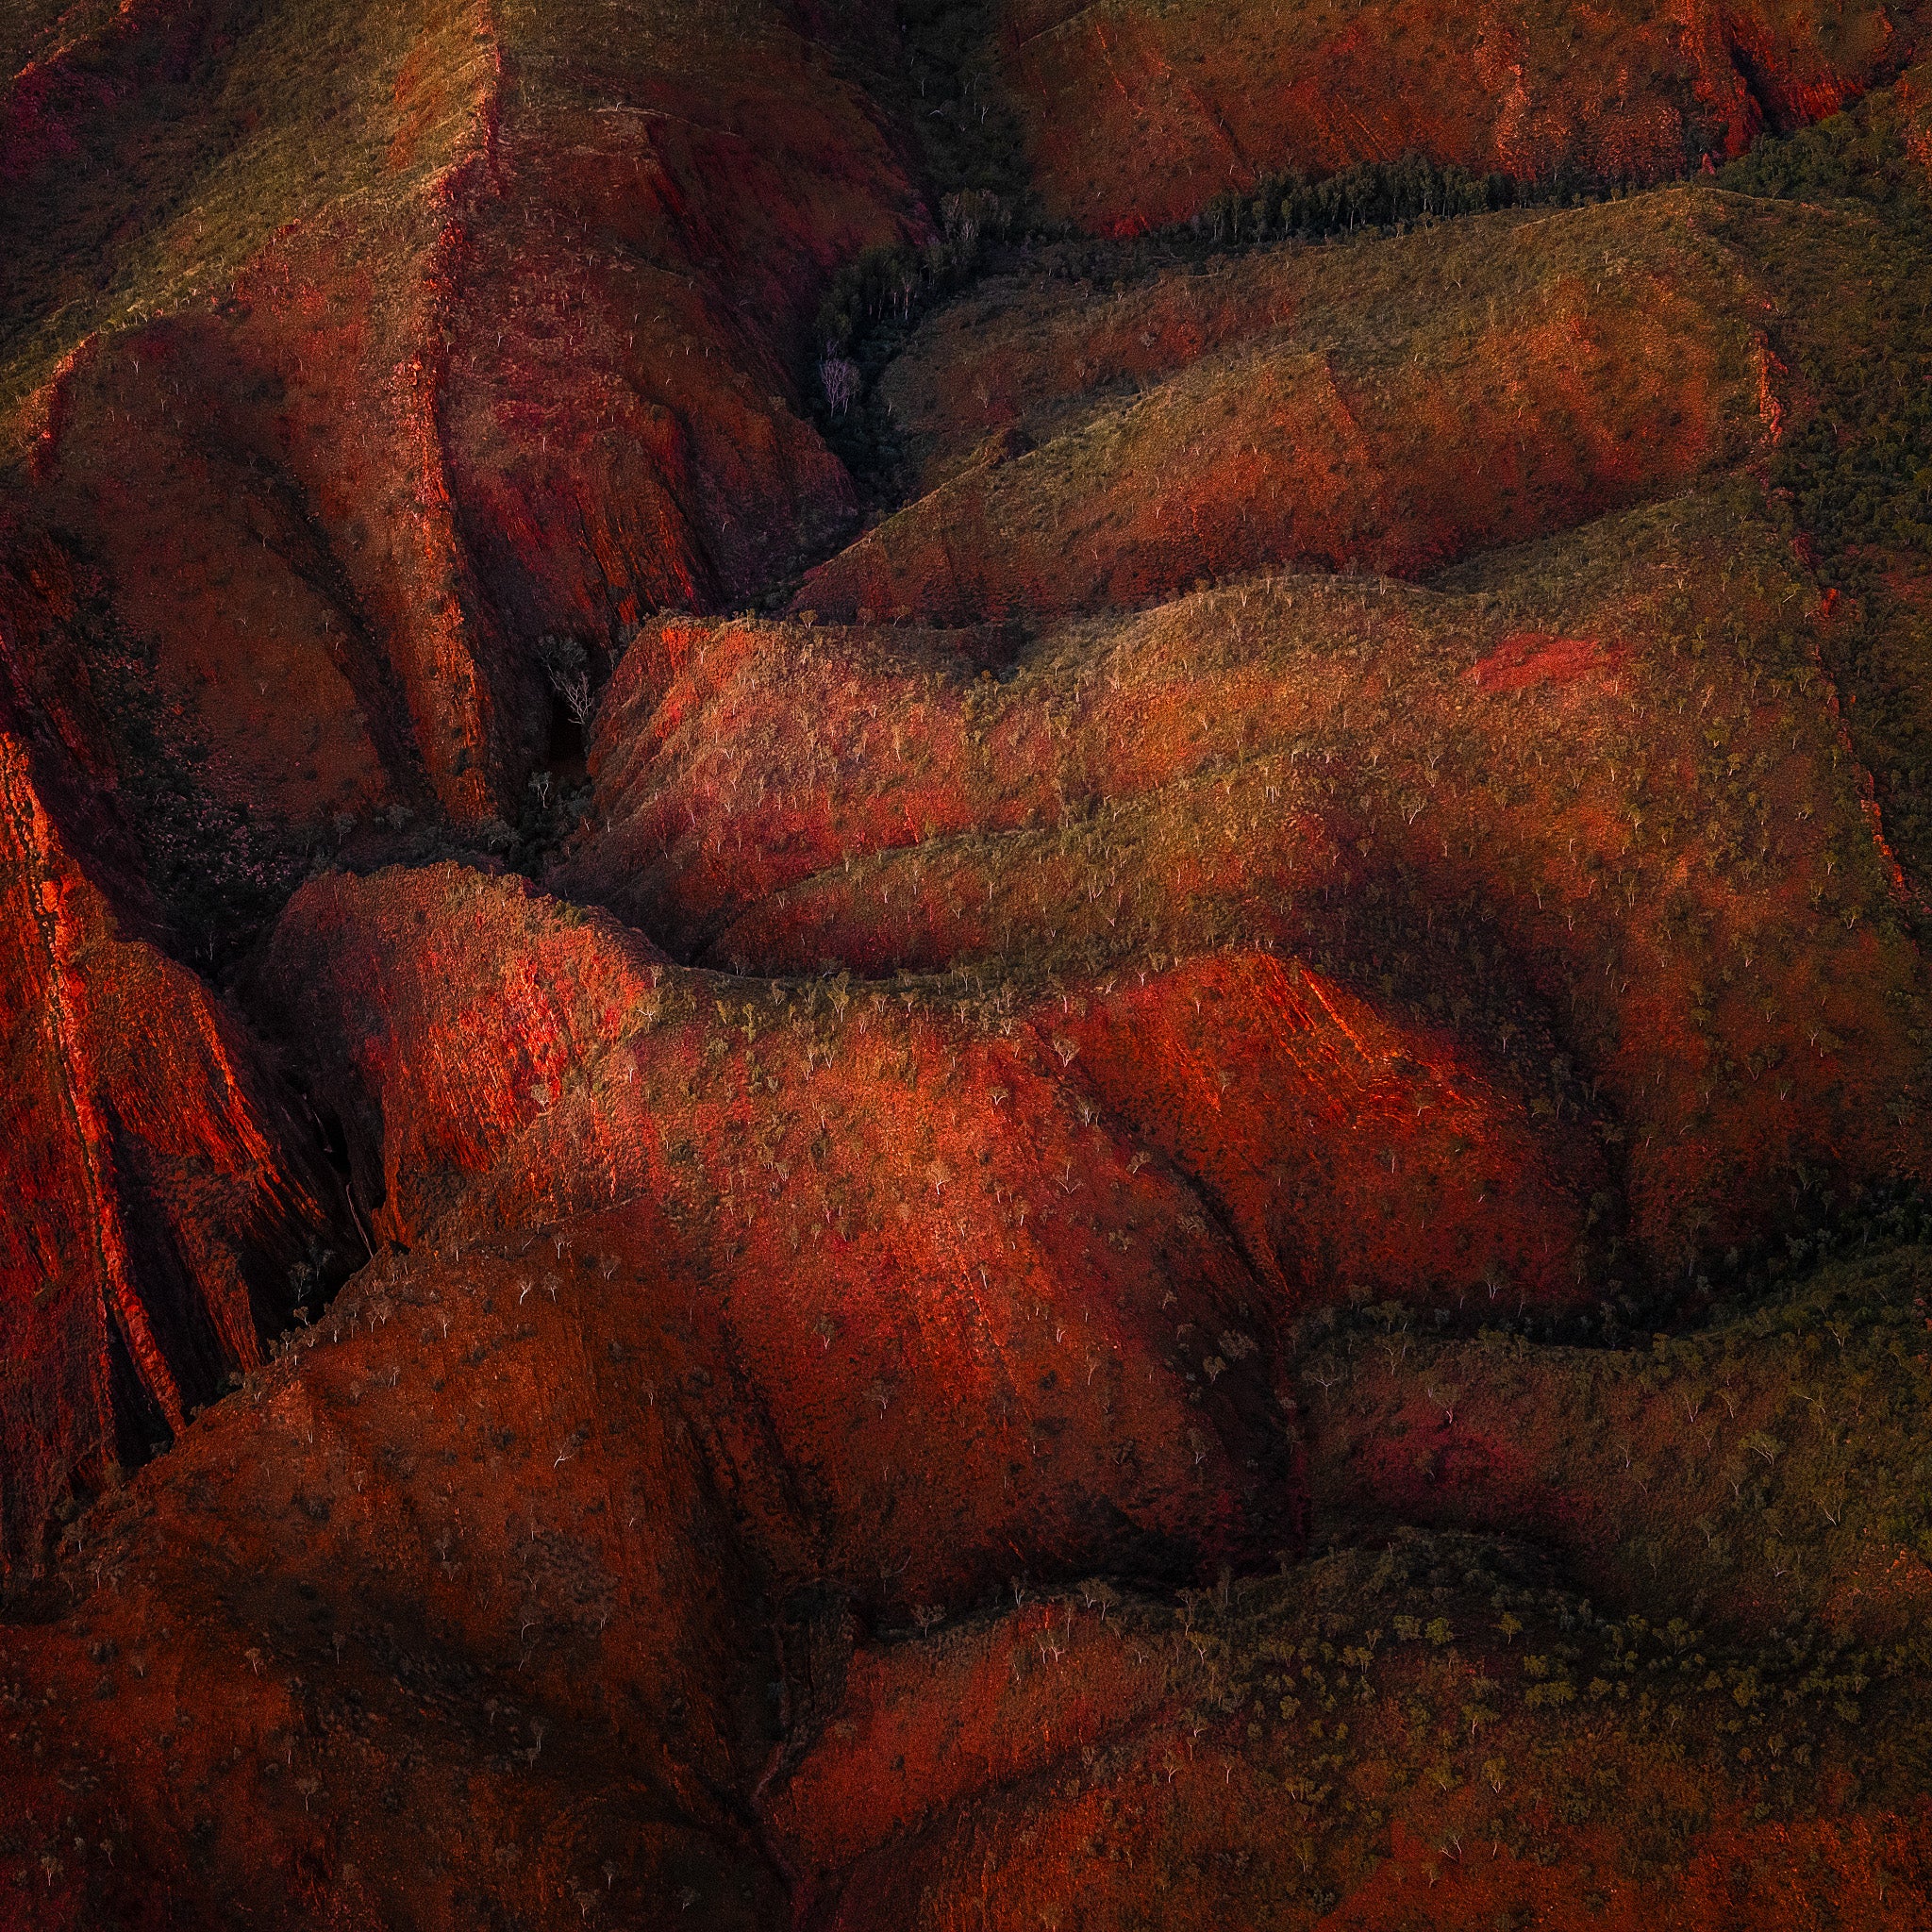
<point x="353" y="646"/>
<point x="141" y="1430"/>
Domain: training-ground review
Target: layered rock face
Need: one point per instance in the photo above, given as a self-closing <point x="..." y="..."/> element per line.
<point x="166" y="1208"/>
<point x="1105" y="1107"/>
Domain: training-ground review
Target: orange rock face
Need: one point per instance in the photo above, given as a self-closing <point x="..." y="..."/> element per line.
<point x="164" y="1203"/>
<point x="1136" y="114"/>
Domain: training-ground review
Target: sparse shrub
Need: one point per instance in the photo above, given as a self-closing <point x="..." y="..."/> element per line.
<point x="566" y="664"/>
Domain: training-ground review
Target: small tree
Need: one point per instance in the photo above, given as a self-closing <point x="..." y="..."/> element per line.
<point x="567" y="666"/>
<point x="839" y="379"/>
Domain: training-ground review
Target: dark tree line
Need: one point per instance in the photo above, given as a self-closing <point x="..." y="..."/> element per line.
<point x="1382" y="194"/>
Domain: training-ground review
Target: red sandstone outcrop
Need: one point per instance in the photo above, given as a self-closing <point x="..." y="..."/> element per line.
<point x="165" y="1206"/>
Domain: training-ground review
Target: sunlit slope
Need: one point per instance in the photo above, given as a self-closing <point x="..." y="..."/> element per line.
<point x="165" y="1206"/>
<point x="1196" y="1198"/>
<point x="1137" y="112"/>
<point x="410" y="335"/>
<point x="1591" y="812"/>
<point x="1388" y="407"/>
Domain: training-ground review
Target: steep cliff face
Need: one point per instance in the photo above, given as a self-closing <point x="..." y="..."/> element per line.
<point x="165" y="1206"/>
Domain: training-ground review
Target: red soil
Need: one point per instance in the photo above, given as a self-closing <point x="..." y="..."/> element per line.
<point x="1394" y="449"/>
<point x="539" y="1676"/>
<point x="1228" y="713"/>
<point x="536" y="374"/>
<point x="1153" y="1047"/>
<point x="1532" y="657"/>
<point x="954" y="1243"/>
<point x="1137" y="114"/>
<point x="444" y="1608"/>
